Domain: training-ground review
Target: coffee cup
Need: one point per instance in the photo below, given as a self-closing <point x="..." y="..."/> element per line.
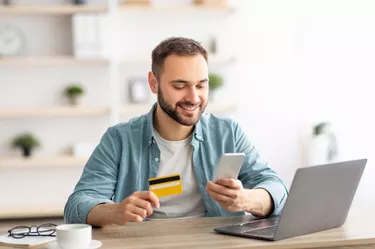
<point x="74" y="236"/>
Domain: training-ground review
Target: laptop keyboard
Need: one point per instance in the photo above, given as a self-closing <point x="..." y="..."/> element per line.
<point x="265" y="232"/>
<point x="264" y="227"/>
<point x="264" y="223"/>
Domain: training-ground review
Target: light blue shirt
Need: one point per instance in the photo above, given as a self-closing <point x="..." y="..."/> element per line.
<point x="127" y="156"/>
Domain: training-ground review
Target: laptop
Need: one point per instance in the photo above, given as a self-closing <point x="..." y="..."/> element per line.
<point x="319" y="199"/>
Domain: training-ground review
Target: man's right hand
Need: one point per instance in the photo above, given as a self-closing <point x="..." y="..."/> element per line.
<point x="136" y="207"/>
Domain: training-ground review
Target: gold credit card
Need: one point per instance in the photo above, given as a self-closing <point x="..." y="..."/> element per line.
<point x="166" y="185"/>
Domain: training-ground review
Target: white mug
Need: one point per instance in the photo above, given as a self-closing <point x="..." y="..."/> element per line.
<point x="74" y="236"/>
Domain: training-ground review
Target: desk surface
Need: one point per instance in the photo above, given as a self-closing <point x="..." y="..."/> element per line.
<point x="198" y="233"/>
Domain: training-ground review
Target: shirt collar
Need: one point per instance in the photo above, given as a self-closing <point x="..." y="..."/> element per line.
<point x="150" y="125"/>
<point x="198" y="134"/>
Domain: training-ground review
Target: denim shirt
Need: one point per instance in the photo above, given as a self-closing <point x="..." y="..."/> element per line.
<point x="127" y="156"/>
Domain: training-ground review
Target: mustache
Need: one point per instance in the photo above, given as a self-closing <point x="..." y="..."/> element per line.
<point x="188" y="103"/>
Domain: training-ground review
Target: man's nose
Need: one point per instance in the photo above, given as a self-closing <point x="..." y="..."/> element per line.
<point x="193" y="96"/>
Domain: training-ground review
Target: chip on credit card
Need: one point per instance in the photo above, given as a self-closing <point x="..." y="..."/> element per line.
<point x="166" y="185"/>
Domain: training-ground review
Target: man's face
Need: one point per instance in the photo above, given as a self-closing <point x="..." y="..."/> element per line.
<point x="183" y="88"/>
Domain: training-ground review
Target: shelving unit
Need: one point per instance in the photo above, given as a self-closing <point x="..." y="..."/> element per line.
<point x="71" y="61"/>
<point x="45" y="162"/>
<point x="144" y="108"/>
<point x="51" y="61"/>
<point x="68" y="9"/>
<point x="174" y="8"/>
<point x="114" y="110"/>
<point x="212" y="59"/>
<point x="129" y="109"/>
<point x="50" y="112"/>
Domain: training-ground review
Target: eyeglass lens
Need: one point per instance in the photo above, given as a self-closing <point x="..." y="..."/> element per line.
<point x="20" y="231"/>
<point x="46" y="229"/>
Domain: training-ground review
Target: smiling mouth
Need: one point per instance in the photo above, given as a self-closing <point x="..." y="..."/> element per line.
<point x="188" y="108"/>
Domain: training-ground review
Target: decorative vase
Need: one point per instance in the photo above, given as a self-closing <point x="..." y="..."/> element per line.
<point x="323" y="148"/>
<point x="74" y="100"/>
<point x="26" y="151"/>
<point x="79" y="1"/>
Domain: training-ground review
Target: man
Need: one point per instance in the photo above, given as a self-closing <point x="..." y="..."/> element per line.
<point x="175" y="137"/>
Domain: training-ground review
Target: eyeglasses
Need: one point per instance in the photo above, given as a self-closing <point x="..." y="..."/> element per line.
<point x="20" y="232"/>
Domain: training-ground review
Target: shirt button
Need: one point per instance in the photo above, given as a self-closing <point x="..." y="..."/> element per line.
<point x="156" y="159"/>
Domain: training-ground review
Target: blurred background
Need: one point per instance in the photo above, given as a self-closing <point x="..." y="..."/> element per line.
<point x="297" y="75"/>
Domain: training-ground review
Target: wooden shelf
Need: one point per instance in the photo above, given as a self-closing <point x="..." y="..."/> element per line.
<point x="212" y="59"/>
<point x="139" y="109"/>
<point x="51" y="61"/>
<point x="53" y="112"/>
<point x="29" y="211"/>
<point x="174" y="8"/>
<point x="70" y="9"/>
<point x="70" y="61"/>
<point x="37" y="161"/>
<point x="67" y="9"/>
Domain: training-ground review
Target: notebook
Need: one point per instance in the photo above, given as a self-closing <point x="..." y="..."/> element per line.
<point x="26" y="242"/>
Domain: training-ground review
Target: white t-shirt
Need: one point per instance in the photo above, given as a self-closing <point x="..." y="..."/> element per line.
<point x="176" y="158"/>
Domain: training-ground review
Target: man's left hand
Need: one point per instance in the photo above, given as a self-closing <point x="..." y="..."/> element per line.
<point x="229" y="193"/>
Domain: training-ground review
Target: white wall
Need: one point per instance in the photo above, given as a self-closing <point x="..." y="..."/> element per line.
<point x="305" y="62"/>
<point x="298" y="62"/>
<point x="338" y="60"/>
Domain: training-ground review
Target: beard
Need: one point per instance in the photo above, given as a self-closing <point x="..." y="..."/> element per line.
<point x="186" y="120"/>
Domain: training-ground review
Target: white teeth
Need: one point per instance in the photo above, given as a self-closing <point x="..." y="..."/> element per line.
<point x="187" y="108"/>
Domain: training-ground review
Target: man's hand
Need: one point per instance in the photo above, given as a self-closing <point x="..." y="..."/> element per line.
<point x="231" y="195"/>
<point x="136" y="207"/>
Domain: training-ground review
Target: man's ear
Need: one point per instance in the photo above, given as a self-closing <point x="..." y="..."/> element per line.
<point x="153" y="82"/>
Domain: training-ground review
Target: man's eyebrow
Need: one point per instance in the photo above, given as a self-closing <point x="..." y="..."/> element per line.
<point x="186" y="82"/>
<point x="179" y="81"/>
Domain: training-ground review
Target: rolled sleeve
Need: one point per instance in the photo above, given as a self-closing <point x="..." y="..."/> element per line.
<point x="77" y="211"/>
<point x="277" y="192"/>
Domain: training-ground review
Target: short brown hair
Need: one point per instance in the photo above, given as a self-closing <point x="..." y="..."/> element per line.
<point x="174" y="45"/>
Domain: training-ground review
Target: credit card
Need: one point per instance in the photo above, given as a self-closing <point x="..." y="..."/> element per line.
<point x="166" y="185"/>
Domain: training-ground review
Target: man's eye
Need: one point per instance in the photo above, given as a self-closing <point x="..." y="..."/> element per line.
<point x="179" y="87"/>
<point x="201" y="86"/>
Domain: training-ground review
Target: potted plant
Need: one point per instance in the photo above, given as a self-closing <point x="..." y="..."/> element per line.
<point x="73" y="92"/>
<point x="215" y="81"/>
<point x="27" y="142"/>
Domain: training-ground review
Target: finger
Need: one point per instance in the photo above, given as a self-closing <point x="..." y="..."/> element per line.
<point x="220" y="198"/>
<point x="144" y="205"/>
<point x="150" y="196"/>
<point x="132" y="217"/>
<point x="221" y="190"/>
<point x="138" y="211"/>
<point x="230" y="183"/>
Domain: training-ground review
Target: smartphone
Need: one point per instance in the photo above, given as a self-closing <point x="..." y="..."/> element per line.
<point x="229" y="166"/>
